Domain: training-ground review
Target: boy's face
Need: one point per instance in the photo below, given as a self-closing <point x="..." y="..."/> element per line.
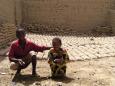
<point x="56" y="44"/>
<point x="21" y="36"/>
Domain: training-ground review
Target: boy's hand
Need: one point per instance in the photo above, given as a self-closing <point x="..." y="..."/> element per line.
<point x="20" y="62"/>
<point x="58" y="60"/>
<point x="48" y="48"/>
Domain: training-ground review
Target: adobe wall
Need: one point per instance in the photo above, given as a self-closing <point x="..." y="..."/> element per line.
<point x="70" y="15"/>
<point x="111" y="19"/>
<point x="54" y="15"/>
<point x="7" y="21"/>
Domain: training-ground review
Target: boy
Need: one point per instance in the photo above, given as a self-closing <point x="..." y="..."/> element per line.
<point x="57" y="58"/>
<point x="20" y="53"/>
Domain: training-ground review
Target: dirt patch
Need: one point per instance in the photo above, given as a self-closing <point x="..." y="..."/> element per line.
<point x="98" y="72"/>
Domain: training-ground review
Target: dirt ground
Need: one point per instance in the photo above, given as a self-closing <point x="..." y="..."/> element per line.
<point x="96" y="72"/>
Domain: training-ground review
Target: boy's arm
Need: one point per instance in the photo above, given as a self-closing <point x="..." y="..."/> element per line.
<point x="12" y="57"/>
<point x="50" y="57"/>
<point x="38" y="48"/>
<point x="66" y="56"/>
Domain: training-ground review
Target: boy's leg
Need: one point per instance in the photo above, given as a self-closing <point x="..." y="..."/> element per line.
<point x="15" y="66"/>
<point x="34" y="62"/>
<point x="18" y="71"/>
<point x="27" y="59"/>
<point x="63" y="69"/>
<point x="33" y="57"/>
<point x="54" y="68"/>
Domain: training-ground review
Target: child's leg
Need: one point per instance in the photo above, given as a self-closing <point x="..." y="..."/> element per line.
<point x="64" y="69"/>
<point x="53" y="69"/>
<point x="61" y="71"/>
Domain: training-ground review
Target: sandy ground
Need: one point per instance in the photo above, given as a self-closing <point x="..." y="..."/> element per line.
<point x="92" y="63"/>
<point x="96" y="72"/>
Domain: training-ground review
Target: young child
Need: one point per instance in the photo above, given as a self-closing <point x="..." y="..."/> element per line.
<point x="57" y="58"/>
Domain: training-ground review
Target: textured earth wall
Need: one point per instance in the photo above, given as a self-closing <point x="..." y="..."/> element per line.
<point x="72" y="15"/>
<point x="7" y="21"/>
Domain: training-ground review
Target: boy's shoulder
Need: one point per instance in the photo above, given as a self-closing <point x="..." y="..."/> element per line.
<point x="64" y="50"/>
<point x="15" y="42"/>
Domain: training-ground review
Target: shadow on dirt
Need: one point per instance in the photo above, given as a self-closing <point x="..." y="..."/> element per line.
<point x="27" y="80"/>
<point x="63" y="79"/>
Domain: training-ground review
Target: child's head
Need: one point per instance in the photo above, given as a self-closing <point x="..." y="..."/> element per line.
<point x="56" y="42"/>
<point x="20" y="34"/>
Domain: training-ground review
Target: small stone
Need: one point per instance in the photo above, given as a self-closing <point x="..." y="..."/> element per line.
<point x="3" y="73"/>
<point x="37" y="83"/>
<point x="59" y="84"/>
<point x="74" y="72"/>
<point x="92" y="39"/>
<point x="78" y="78"/>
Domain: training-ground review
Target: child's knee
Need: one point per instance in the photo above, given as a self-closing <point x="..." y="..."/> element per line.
<point x="14" y="66"/>
<point x="32" y="53"/>
<point x="34" y="57"/>
<point x="31" y="56"/>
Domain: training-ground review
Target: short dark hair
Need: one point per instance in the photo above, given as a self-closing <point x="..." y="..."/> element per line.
<point x="20" y="31"/>
<point x="57" y="39"/>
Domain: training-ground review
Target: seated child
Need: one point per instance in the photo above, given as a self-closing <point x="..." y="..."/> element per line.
<point x="57" y="58"/>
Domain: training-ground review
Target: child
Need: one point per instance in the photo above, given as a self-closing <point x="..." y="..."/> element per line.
<point x="57" y="58"/>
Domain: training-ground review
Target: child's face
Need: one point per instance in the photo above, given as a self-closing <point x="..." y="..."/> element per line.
<point x="56" y="44"/>
<point x="21" y="36"/>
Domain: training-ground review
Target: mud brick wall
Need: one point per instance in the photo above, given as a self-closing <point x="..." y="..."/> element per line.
<point x="72" y="15"/>
<point x="7" y="11"/>
<point x="112" y="17"/>
<point x="47" y="28"/>
<point x="18" y="13"/>
<point x="7" y="34"/>
<point x="7" y="21"/>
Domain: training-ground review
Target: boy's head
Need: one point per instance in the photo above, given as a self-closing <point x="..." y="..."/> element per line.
<point x="20" y="34"/>
<point x="56" y="42"/>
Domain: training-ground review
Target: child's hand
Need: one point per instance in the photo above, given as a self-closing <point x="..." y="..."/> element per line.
<point x="58" y="60"/>
<point x="20" y="62"/>
<point x="49" y="61"/>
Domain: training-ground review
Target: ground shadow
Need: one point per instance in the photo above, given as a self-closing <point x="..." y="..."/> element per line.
<point x="65" y="79"/>
<point x="27" y="80"/>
